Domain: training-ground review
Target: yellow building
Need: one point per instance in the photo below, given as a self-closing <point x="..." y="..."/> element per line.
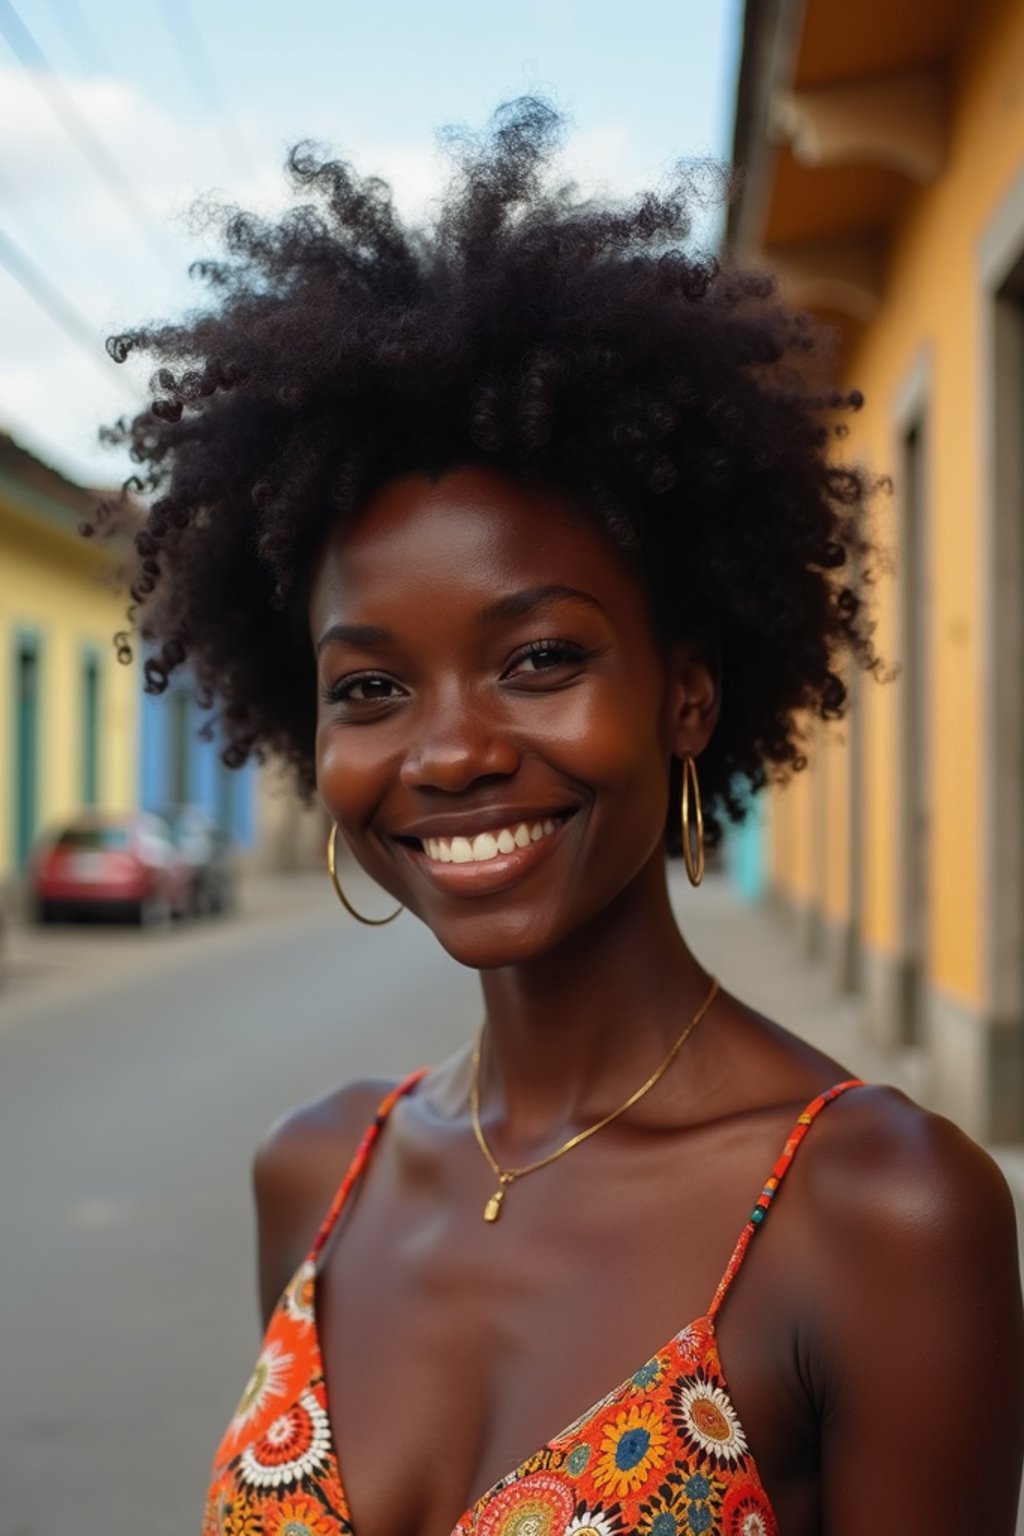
<point x="883" y="149"/>
<point x="69" y="710"/>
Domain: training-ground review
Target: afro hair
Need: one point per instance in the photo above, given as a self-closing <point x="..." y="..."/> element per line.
<point x="584" y="344"/>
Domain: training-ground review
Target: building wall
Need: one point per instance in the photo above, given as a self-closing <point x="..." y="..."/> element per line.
<point x="179" y="767"/>
<point x="51" y="589"/>
<point x="926" y="354"/>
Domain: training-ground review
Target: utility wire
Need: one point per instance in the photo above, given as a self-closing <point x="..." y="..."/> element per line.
<point x="92" y="56"/>
<point x="76" y="125"/>
<point x="197" y="64"/>
<point x="49" y="297"/>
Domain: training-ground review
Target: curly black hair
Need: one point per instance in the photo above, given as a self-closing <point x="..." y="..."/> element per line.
<point x="580" y="343"/>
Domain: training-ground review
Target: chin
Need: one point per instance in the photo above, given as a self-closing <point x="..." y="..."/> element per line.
<point x="491" y="943"/>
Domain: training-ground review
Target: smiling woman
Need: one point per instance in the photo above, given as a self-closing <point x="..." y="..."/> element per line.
<point x="521" y="540"/>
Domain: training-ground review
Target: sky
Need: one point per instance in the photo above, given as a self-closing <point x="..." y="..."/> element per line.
<point x="170" y="101"/>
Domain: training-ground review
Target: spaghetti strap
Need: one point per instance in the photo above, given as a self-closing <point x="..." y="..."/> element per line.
<point x="778" y="1173"/>
<point x="362" y="1154"/>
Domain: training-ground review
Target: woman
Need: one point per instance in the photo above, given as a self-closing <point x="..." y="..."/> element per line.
<point x="520" y="541"/>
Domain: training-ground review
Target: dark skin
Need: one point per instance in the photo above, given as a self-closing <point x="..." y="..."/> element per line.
<point x="873" y="1341"/>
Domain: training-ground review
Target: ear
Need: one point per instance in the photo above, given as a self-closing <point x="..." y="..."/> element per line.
<point x="694" y="701"/>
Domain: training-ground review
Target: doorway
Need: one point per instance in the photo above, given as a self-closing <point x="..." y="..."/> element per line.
<point x="27" y="705"/>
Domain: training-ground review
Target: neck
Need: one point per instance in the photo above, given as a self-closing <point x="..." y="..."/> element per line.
<point x="570" y="1035"/>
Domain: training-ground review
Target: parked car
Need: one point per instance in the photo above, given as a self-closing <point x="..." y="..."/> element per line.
<point x="105" y="865"/>
<point x="207" y="852"/>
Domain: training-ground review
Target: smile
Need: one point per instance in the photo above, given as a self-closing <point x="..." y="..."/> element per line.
<point x="488" y="860"/>
<point x="488" y="845"/>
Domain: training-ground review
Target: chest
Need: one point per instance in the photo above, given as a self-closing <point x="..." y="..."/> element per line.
<point x="472" y="1345"/>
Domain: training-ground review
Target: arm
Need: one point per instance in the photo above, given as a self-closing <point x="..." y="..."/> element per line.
<point x="920" y="1357"/>
<point x="296" y="1171"/>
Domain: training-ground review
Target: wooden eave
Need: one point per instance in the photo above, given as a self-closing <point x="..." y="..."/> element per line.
<point x="841" y="116"/>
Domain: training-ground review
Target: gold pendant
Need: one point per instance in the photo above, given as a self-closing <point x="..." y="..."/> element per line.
<point x="492" y="1210"/>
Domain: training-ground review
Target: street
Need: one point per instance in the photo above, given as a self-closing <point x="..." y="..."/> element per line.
<point x="137" y="1072"/>
<point x="131" y="1097"/>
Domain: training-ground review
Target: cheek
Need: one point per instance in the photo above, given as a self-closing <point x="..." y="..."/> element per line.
<point x="611" y="740"/>
<point x="348" y="776"/>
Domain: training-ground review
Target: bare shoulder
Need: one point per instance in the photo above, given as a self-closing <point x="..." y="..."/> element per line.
<point x="883" y="1164"/>
<point x="909" y="1244"/>
<point x="908" y="1315"/>
<point x="296" y="1171"/>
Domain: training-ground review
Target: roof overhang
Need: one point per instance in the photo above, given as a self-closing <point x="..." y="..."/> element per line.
<point x="841" y="115"/>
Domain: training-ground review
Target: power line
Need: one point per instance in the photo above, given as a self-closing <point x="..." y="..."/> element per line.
<point x="76" y="125"/>
<point x="199" y="70"/>
<point x="60" y="310"/>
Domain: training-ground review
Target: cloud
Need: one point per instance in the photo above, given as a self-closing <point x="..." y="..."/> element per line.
<point x="63" y="216"/>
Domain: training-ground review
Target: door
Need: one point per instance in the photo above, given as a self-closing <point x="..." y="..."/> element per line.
<point x="26" y="747"/>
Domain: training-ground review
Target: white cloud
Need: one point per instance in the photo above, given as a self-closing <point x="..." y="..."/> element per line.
<point x="59" y="212"/>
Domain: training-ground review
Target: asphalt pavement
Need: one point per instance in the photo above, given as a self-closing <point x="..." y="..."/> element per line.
<point x="137" y="1072"/>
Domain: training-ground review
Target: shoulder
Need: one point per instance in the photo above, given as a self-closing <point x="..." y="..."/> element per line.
<point x="885" y="1165"/>
<point x="305" y="1143"/>
<point x="908" y="1326"/>
<point x="908" y="1242"/>
<point x="296" y="1170"/>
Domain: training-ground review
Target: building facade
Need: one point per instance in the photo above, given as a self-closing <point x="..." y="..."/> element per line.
<point x="78" y="730"/>
<point x="883" y="155"/>
<point x="178" y="766"/>
<point x="70" y="712"/>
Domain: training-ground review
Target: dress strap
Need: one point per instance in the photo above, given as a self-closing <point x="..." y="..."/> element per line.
<point x="778" y="1173"/>
<point x="362" y="1155"/>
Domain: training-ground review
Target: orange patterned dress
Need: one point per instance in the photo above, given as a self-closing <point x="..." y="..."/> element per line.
<point x="664" y="1454"/>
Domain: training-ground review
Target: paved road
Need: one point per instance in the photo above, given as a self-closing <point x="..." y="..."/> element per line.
<point x="135" y="1077"/>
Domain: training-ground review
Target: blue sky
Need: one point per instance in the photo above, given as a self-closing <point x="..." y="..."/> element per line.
<point x="643" y="82"/>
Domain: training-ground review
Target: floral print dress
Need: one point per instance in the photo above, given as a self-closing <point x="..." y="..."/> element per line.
<point x="664" y="1454"/>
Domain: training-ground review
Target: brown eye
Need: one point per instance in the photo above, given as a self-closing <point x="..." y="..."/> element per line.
<point x="543" y="655"/>
<point x="369" y="688"/>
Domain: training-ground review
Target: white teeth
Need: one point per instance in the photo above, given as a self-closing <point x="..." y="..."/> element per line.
<point x="487" y="845"/>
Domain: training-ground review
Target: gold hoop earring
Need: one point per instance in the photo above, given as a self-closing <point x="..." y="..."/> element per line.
<point x="371" y="922"/>
<point x="694" y="864"/>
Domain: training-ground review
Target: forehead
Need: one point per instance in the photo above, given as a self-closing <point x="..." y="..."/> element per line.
<point x="470" y="535"/>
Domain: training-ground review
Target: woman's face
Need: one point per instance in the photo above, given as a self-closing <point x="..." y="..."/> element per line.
<point x="495" y="718"/>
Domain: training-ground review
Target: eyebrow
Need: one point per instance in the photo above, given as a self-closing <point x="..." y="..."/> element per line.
<point x="514" y="606"/>
<point x="362" y="636"/>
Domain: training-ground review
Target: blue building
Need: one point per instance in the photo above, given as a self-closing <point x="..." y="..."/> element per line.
<point x="179" y="768"/>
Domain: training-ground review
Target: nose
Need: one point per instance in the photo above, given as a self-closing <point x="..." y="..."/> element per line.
<point x="458" y="741"/>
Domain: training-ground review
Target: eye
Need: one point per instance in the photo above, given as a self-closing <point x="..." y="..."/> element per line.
<point x="544" y="656"/>
<point x="362" y="688"/>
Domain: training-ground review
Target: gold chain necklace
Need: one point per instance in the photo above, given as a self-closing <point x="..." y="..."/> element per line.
<point x="505" y="1176"/>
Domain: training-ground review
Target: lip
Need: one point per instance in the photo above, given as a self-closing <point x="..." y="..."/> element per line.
<point x="486" y="819"/>
<point x="480" y="879"/>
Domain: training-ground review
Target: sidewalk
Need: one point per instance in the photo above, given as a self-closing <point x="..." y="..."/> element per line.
<point x="755" y="954"/>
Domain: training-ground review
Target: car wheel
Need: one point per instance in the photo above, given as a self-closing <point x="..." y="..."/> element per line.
<point x="42" y="912"/>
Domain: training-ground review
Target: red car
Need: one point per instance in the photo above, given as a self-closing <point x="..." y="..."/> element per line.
<point x="116" y="866"/>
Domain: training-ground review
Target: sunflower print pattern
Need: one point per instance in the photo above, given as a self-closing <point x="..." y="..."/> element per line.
<point x="664" y="1454"/>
